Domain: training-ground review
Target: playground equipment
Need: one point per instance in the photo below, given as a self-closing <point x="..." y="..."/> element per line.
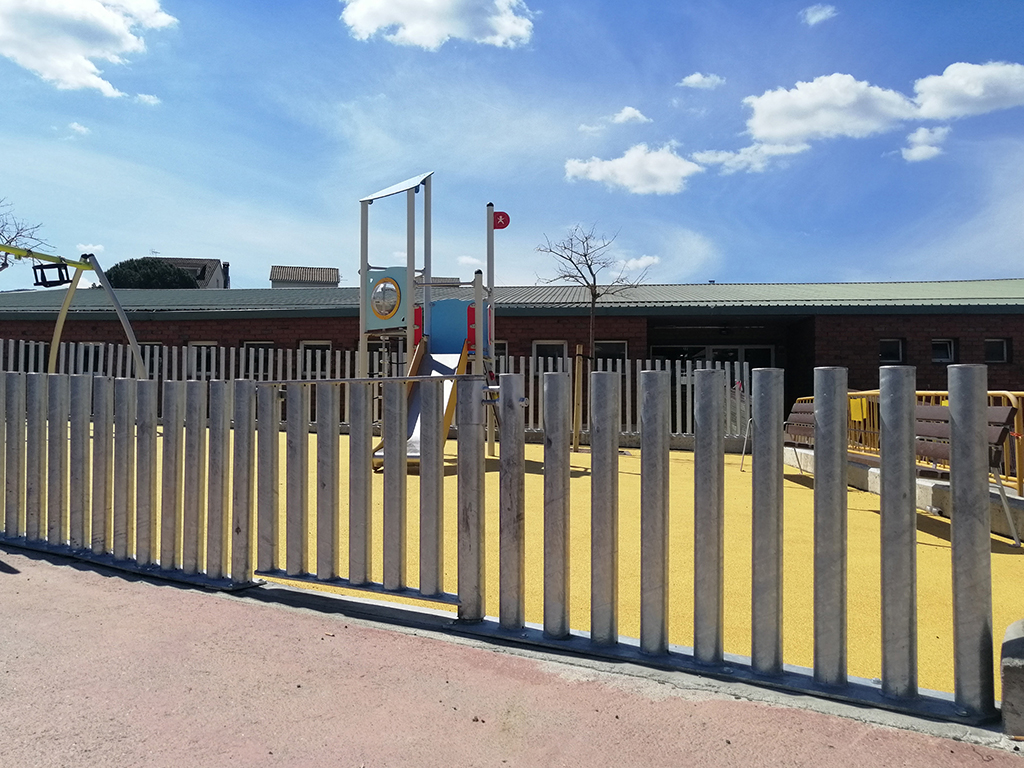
<point x="53" y="271"/>
<point x="440" y="337"/>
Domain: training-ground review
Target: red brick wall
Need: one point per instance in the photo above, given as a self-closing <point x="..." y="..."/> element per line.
<point x="521" y="331"/>
<point x="846" y="340"/>
<point x="852" y="341"/>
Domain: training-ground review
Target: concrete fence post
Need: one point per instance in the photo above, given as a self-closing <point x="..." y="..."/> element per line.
<point x="471" y="472"/>
<point x="655" y="434"/>
<point x="971" y="540"/>
<point x="512" y="503"/>
<point x="830" y="508"/>
<point x="767" y="518"/>
<point x="709" y="515"/>
<point x="604" y="507"/>
<point x="557" y="439"/>
<point x="898" y="423"/>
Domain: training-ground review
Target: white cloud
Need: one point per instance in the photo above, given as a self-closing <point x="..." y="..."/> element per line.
<point x="840" y="105"/>
<point x="469" y="261"/>
<point x="815" y="14"/>
<point x="924" y="144"/>
<point x="640" y="170"/>
<point x="584" y="128"/>
<point x="828" y="106"/>
<point x="88" y="248"/>
<point x="754" y="158"/>
<point x="687" y="254"/>
<point x="970" y="89"/>
<point x="783" y="121"/>
<point x="429" y="24"/>
<point x="640" y="263"/>
<point x="702" y="81"/>
<point x="79" y="129"/>
<point x="147" y="99"/>
<point x="630" y="115"/>
<point x="60" y="40"/>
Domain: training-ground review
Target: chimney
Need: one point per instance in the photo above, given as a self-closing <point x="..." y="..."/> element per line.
<point x="227" y="275"/>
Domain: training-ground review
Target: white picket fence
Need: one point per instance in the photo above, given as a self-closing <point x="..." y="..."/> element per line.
<point x="204" y="363"/>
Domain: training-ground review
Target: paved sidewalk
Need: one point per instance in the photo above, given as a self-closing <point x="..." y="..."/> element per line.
<point x="102" y="669"/>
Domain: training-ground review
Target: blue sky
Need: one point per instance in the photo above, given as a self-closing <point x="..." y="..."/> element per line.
<point x="727" y="141"/>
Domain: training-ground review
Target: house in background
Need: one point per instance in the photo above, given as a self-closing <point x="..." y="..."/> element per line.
<point x="304" y="277"/>
<point x="209" y="273"/>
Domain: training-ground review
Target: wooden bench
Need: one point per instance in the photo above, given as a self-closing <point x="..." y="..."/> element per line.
<point x="931" y="444"/>
<point x="799" y="429"/>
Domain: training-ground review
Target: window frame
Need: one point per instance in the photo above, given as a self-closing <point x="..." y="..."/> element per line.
<point x="951" y="358"/>
<point x="321" y="349"/>
<point x="901" y="357"/>
<point x="1007" y="351"/>
<point x="549" y="342"/>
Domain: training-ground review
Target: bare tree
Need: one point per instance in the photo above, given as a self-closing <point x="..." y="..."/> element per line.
<point x="581" y="257"/>
<point x="16" y="232"/>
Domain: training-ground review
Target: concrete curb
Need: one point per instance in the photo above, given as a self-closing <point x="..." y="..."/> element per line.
<point x="1011" y="668"/>
<point x="933" y="496"/>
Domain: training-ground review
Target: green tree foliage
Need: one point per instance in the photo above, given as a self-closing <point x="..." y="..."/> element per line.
<point x="149" y="273"/>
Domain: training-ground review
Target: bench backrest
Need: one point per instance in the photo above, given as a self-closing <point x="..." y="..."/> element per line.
<point x="801" y="421"/>
<point x="933" y="431"/>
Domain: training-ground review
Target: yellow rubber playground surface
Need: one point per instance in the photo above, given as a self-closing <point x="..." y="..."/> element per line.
<point x="935" y="628"/>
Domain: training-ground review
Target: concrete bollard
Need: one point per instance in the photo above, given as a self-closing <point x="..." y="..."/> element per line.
<point x="1012" y="670"/>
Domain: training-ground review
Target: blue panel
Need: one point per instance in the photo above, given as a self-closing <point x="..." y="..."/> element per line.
<point x="449" y="326"/>
<point x="398" y="320"/>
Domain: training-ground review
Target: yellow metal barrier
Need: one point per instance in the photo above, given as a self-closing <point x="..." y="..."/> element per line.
<point x="864" y="428"/>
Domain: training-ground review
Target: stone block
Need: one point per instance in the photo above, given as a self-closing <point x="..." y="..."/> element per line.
<point x="1012" y="672"/>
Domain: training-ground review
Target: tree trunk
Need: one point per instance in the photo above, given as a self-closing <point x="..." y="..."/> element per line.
<point x="590" y="352"/>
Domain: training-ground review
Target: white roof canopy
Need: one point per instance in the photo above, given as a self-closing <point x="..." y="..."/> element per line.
<point x="402" y="186"/>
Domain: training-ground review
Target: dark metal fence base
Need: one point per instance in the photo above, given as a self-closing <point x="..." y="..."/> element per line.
<point x="130" y="566"/>
<point x="934" y="705"/>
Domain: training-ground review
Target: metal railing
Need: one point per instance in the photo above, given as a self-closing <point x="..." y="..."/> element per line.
<point x="81" y="453"/>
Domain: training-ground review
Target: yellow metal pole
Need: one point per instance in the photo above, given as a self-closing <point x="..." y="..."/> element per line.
<point x="51" y="366"/>
<point x="577" y="405"/>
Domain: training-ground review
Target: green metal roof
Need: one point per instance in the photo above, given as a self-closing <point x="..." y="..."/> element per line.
<point x="1006" y="295"/>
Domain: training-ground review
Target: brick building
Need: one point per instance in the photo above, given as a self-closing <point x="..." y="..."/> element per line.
<point x="792" y="326"/>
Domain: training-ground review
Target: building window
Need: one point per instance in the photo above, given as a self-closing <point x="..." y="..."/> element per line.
<point x="257" y="358"/>
<point x="997" y="350"/>
<point x="755" y="356"/>
<point x="203" y="358"/>
<point x="501" y="356"/>
<point x="610" y="355"/>
<point x="944" y="351"/>
<point x="611" y="350"/>
<point x="550" y="355"/>
<point x="890" y="351"/>
<point x="314" y="359"/>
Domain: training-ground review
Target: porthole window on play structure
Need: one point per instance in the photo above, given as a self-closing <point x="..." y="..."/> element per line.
<point x="385" y="299"/>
